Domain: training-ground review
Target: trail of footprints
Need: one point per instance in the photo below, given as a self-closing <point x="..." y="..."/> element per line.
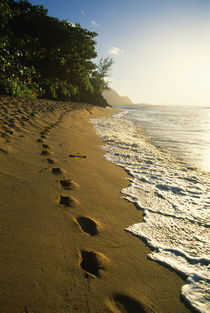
<point x="15" y="115"/>
<point x="91" y="262"/>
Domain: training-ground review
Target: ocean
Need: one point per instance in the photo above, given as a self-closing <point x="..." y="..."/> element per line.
<point x="166" y="151"/>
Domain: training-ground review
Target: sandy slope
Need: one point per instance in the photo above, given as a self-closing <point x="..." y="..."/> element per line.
<point x="63" y="245"/>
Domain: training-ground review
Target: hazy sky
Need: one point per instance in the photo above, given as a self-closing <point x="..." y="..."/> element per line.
<point x="161" y="48"/>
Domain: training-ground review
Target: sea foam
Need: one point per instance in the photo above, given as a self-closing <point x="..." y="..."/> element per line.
<point x="176" y="204"/>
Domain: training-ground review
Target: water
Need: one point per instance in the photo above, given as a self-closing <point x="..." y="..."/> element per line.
<point x="165" y="150"/>
<point x="184" y="131"/>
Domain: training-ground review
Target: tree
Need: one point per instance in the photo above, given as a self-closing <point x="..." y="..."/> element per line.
<point x="45" y="57"/>
<point x="98" y="82"/>
<point x="98" y="77"/>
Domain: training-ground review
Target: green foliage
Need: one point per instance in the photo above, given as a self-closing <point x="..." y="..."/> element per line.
<point x="15" y="77"/>
<point x="98" y="77"/>
<point x="16" y="88"/>
<point x="104" y="67"/>
<point x="56" y="89"/>
<point x="41" y="56"/>
<point x="6" y="13"/>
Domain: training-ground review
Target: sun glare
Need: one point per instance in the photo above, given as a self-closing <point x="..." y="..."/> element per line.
<point x="166" y="67"/>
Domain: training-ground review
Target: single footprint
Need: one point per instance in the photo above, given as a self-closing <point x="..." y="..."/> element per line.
<point x="67" y="201"/>
<point x="51" y="161"/>
<point x="69" y="184"/>
<point x="45" y="152"/>
<point x="127" y="304"/>
<point x="39" y="140"/>
<point x="46" y="146"/>
<point x="27" y="310"/>
<point x="4" y="151"/>
<point x="57" y="171"/>
<point x="88" y="225"/>
<point x="10" y="131"/>
<point x="92" y="263"/>
<point x="45" y="131"/>
<point x="78" y="156"/>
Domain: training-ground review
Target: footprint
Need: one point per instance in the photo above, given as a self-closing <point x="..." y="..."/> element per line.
<point x="43" y="136"/>
<point x="10" y="132"/>
<point x="57" y="171"/>
<point x="27" y="310"/>
<point x="88" y="225"/>
<point x="92" y="263"/>
<point x="45" y="152"/>
<point x="39" y="140"/>
<point x="69" y="184"/>
<point x="127" y="304"/>
<point x="78" y="156"/>
<point x="4" y="151"/>
<point x="51" y="161"/>
<point x="45" y="131"/>
<point x="68" y="201"/>
<point x="46" y="146"/>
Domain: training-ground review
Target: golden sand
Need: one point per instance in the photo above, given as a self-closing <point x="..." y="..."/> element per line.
<point x="63" y="245"/>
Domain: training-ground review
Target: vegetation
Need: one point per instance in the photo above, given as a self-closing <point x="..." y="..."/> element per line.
<point x="41" y="56"/>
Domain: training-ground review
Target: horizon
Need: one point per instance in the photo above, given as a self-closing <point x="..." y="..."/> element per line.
<point x="161" y="50"/>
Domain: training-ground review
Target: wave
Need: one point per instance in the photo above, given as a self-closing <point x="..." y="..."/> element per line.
<point x="175" y="200"/>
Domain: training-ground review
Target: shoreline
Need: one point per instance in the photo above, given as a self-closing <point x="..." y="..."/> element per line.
<point x="64" y="247"/>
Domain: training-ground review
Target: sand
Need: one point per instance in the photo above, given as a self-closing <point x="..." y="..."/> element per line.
<point x="63" y="244"/>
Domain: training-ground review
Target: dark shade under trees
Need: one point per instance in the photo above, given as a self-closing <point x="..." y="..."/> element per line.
<point x="41" y="56"/>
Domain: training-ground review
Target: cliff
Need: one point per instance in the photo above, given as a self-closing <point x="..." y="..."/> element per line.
<point x="113" y="98"/>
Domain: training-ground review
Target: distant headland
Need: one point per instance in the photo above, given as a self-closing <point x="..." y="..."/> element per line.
<point x="113" y="98"/>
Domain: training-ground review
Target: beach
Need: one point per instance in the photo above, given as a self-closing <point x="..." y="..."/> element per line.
<point x="64" y="247"/>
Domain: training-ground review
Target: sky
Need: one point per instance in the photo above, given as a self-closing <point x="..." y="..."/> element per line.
<point x="160" y="48"/>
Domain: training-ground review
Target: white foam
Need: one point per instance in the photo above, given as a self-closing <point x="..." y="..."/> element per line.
<point x="175" y="201"/>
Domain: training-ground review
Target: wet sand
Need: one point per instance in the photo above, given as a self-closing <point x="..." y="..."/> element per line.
<point x="63" y="245"/>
